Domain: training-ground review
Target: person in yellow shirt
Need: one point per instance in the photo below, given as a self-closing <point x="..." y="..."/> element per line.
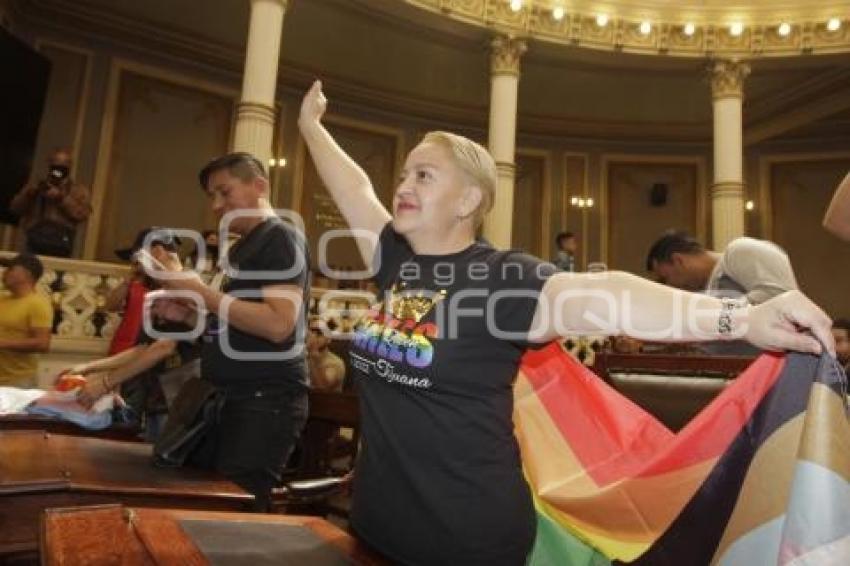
<point x="26" y="318"/>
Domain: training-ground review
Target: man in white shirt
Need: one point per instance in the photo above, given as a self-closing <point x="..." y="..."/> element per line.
<point x="757" y="269"/>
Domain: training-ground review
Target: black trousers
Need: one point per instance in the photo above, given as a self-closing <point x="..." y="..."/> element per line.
<point x="252" y="439"/>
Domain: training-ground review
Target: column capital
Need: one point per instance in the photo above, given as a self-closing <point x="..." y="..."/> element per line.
<point x="727" y="78"/>
<point x="505" y="53"/>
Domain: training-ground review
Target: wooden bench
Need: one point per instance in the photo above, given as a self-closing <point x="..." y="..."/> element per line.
<point x="673" y="388"/>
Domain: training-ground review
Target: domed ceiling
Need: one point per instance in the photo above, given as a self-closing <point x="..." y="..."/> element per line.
<point x="429" y="59"/>
<point x="688" y="28"/>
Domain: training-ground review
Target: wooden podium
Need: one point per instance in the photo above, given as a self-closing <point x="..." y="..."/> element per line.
<point x="113" y="534"/>
<point x="39" y="470"/>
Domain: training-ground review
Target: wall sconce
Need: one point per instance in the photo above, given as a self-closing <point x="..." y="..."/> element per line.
<point x="750" y="206"/>
<point x="581" y="202"/>
<point x="277" y="162"/>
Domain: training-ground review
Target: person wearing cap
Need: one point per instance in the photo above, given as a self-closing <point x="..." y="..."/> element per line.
<point x="26" y="318"/>
<point x="50" y="209"/>
<point x="129" y="296"/>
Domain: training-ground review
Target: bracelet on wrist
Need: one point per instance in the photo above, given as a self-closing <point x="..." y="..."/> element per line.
<point x="725" y="321"/>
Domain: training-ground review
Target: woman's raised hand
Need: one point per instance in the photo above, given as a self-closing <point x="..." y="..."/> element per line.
<point x="313" y="106"/>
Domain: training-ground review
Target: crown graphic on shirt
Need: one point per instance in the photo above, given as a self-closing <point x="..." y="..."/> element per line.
<point x="413" y="305"/>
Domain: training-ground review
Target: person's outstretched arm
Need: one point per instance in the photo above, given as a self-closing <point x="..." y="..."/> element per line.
<point x="111" y="362"/>
<point x="25" y="199"/>
<point x="837" y="218"/>
<point x="104" y="380"/>
<point x="347" y="183"/>
<point x="621" y="303"/>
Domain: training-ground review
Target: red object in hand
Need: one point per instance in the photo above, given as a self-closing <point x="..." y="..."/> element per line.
<point x="69" y="382"/>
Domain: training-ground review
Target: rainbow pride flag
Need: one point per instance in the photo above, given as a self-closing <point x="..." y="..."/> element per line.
<point x="760" y="477"/>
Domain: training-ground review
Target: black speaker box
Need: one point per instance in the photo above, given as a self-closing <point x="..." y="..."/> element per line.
<point x="658" y="194"/>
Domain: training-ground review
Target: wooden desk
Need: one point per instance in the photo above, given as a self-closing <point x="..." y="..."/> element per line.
<point x="56" y="426"/>
<point x="40" y="470"/>
<point x="113" y="534"/>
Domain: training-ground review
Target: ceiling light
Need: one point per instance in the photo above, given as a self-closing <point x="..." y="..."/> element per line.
<point x="645" y="28"/>
<point x="689" y="28"/>
<point x="736" y="28"/>
<point x="833" y="24"/>
<point x="516" y="5"/>
<point x="750" y="205"/>
<point x="558" y="13"/>
<point x="602" y="20"/>
<point x="784" y="29"/>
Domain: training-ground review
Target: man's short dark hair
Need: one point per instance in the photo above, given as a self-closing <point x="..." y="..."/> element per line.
<point x="842" y="324"/>
<point x="28" y="261"/>
<point x="240" y="164"/>
<point x="672" y="242"/>
<point x="563" y="236"/>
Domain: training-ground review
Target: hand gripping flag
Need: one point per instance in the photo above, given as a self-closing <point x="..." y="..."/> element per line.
<point x="760" y="477"/>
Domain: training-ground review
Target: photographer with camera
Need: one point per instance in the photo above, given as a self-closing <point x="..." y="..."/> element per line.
<point x="50" y="209"/>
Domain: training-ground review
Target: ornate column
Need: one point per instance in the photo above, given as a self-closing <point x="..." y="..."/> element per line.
<point x="255" y="112"/>
<point x="727" y="192"/>
<point x="504" y="72"/>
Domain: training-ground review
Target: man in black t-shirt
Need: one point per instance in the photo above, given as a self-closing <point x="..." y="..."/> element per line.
<point x="252" y="346"/>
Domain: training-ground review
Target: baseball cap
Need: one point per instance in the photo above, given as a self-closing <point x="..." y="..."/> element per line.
<point x="162" y="236"/>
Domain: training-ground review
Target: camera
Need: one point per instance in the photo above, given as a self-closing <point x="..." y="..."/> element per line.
<point x="57" y="173"/>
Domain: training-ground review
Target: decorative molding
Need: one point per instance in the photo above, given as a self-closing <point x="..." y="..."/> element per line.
<point x="505" y="55"/>
<point x="727" y="78"/>
<point x="505" y="169"/>
<point x="255" y="111"/>
<point x="727" y="189"/>
<point x="711" y="37"/>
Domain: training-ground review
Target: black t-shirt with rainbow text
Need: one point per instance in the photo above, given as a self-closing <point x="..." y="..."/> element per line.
<point x="439" y="479"/>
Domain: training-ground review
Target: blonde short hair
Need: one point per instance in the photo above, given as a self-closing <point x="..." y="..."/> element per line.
<point x="475" y="162"/>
